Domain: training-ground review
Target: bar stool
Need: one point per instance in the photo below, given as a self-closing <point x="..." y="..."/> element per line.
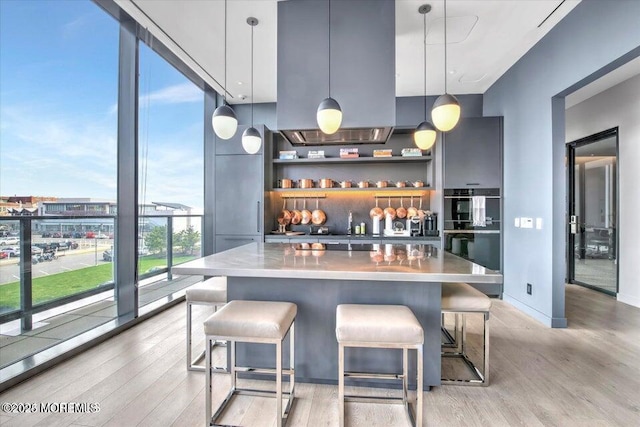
<point x="380" y="326"/>
<point x="265" y="322"/>
<point x="462" y="299"/>
<point x="212" y="292"/>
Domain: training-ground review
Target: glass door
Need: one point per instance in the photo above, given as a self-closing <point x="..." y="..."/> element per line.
<point x="592" y="231"/>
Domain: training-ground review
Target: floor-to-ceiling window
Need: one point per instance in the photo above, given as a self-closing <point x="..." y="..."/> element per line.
<point x="170" y="174"/>
<point x="58" y="119"/>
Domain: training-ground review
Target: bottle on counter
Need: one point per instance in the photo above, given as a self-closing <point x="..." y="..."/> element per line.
<point x="362" y="228"/>
<point x="350" y="224"/>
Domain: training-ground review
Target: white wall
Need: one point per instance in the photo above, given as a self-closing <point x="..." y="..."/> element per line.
<point x="618" y="106"/>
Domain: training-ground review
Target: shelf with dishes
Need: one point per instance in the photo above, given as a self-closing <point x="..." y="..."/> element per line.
<point x="389" y="191"/>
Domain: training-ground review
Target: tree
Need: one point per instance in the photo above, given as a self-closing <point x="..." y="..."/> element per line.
<point x="156" y="240"/>
<point x="187" y="239"/>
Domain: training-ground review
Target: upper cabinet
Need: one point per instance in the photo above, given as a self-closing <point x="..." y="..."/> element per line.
<point x="362" y="62"/>
<point x="473" y="154"/>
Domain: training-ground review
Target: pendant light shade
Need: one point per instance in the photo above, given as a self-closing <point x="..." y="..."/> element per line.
<point x="224" y="122"/>
<point x="251" y="140"/>
<point x="425" y="136"/>
<point x="446" y="112"/>
<point x="329" y="116"/>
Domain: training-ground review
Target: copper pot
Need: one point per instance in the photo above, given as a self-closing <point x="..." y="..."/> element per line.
<point x="382" y="184"/>
<point x="286" y="183"/>
<point x="345" y="184"/>
<point x="363" y="184"/>
<point x="326" y="183"/>
<point x="305" y="183"/>
<point x="401" y="184"/>
<point x="411" y="210"/>
<point x="306" y="214"/>
<point x="418" y="183"/>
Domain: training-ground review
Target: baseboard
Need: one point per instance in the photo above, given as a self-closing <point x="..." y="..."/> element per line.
<point x="628" y="299"/>
<point x="552" y="322"/>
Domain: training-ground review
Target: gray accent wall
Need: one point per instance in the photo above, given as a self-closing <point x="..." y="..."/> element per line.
<point x="619" y="107"/>
<point x="594" y="38"/>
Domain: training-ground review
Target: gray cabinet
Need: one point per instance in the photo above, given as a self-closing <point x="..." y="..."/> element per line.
<point x="239" y="193"/>
<point x="473" y="154"/>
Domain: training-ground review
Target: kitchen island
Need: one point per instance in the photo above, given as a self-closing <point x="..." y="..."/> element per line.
<point x="319" y="277"/>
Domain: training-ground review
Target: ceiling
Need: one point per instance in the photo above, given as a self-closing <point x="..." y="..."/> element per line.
<point x="484" y="39"/>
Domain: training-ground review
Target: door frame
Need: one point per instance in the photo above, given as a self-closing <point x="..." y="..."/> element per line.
<point x="570" y="239"/>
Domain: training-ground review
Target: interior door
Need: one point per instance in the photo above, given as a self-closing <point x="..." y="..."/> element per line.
<point x="592" y="250"/>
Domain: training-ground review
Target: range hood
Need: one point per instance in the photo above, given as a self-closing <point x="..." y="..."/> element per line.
<point x="362" y="70"/>
<point x="310" y="137"/>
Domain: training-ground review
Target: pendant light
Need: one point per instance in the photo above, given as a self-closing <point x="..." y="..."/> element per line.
<point x="446" y="110"/>
<point x="251" y="138"/>
<point x="224" y="120"/>
<point x="425" y="134"/>
<point x="329" y="114"/>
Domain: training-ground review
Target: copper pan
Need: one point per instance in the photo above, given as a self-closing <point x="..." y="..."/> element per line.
<point x="284" y="218"/>
<point x="296" y="215"/>
<point x="376" y="212"/>
<point x="390" y="211"/>
<point x="318" y="217"/>
<point x="401" y="212"/>
<point x="306" y="214"/>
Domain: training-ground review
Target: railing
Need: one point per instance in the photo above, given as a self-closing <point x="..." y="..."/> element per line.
<point x="61" y="259"/>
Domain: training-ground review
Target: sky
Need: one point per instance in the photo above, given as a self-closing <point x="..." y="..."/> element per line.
<point x="58" y="109"/>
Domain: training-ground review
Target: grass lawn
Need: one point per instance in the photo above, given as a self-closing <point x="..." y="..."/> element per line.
<point x="60" y="285"/>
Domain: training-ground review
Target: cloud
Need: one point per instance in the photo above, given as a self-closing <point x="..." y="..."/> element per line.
<point x="176" y="94"/>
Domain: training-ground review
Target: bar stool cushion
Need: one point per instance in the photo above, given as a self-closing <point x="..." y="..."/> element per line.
<point x="211" y="291"/>
<point x="462" y="297"/>
<point x="252" y="319"/>
<point x="381" y="324"/>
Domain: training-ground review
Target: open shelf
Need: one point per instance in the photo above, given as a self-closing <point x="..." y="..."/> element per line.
<point x="398" y="159"/>
<point x="390" y="190"/>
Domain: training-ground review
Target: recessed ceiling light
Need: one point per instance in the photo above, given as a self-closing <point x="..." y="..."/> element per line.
<point x="452" y="72"/>
<point x="240" y="83"/>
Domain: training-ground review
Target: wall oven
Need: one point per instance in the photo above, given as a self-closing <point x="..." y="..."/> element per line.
<point x="472" y="225"/>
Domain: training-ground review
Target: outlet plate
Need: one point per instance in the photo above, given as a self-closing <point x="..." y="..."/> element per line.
<point x="529" y="291"/>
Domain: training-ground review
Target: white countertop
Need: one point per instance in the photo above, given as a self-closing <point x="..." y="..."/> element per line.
<point x="412" y="263"/>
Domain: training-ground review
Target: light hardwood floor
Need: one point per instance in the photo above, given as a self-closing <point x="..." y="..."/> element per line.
<point x="585" y="375"/>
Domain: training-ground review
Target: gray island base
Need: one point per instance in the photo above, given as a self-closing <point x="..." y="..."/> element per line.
<point x="319" y="280"/>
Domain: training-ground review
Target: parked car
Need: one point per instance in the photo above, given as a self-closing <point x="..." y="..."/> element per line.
<point x="78" y="235"/>
<point x="101" y="236"/>
<point x="90" y="235"/>
<point x="12" y="251"/>
<point x="46" y="234"/>
<point x="9" y="240"/>
<point x="67" y="235"/>
<point x="107" y="255"/>
<point x="3" y="255"/>
<point x="56" y="235"/>
<point x="71" y="245"/>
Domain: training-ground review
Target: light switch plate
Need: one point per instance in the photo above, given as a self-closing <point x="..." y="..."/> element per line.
<point x="517" y="222"/>
<point x="538" y="223"/>
<point x="526" y="222"/>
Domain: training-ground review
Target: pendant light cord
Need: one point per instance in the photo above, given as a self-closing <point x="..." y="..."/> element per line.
<point x="225" y="53"/>
<point x="425" y="65"/>
<point x="445" y="46"/>
<point x="329" y="48"/>
<point x="252" y="101"/>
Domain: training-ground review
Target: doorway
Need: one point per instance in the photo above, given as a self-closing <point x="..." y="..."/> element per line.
<point x="592" y="249"/>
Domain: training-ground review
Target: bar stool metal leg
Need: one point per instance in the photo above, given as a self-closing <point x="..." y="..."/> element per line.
<point x="341" y="383"/>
